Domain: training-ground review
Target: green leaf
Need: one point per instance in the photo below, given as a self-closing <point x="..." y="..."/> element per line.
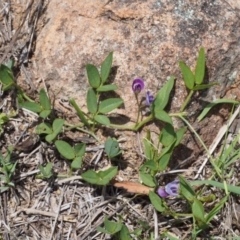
<point x="107" y="88"/>
<point x="112" y="148"/>
<point x="44" y="128"/>
<point x="44" y="100"/>
<point x="32" y="106"/>
<point x="163" y="161"/>
<point x="50" y="137"/>
<point x="204" y="86"/>
<point x="148" y="148"/>
<point x="79" y="112"/>
<point x="109" y="104"/>
<point x="216" y="209"/>
<point x="156" y="201"/>
<point x="168" y="149"/>
<point x="163" y="95"/>
<point x="45" y="113"/>
<point x="179" y="134"/>
<point x="90" y="176"/>
<point x="107" y="175"/>
<point x="76" y="163"/>
<point x="162" y="116"/>
<point x="102" y="120"/>
<point x="65" y="149"/>
<point x="230" y="188"/>
<point x="198" y="210"/>
<point x="147" y="179"/>
<point x="112" y="227"/>
<point x="6" y="75"/>
<point x="57" y="125"/>
<point x="100" y="178"/>
<point x="106" y="67"/>
<point x="200" y="67"/>
<point x="102" y="230"/>
<point x="186" y="189"/>
<point x="91" y="101"/>
<point x="93" y="76"/>
<point x="151" y="165"/>
<point x="124" y="233"/>
<point x="167" y="135"/>
<point x="80" y="149"/>
<point x="46" y="171"/>
<point x="188" y="76"/>
<point x="212" y="104"/>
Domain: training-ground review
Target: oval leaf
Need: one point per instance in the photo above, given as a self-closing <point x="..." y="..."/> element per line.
<point x="90" y="176"/>
<point x="112" y="148"/>
<point x="162" y="115"/>
<point x="79" y="112"/>
<point x="167" y="135"/>
<point x="57" y="125"/>
<point x="102" y="120"/>
<point x="198" y="210"/>
<point x="147" y="179"/>
<point x="44" y="100"/>
<point x="156" y="201"/>
<point x="91" y="101"/>
<point x="188" y="76"/>
<point x="93" y="76"/>
<point x="65" y="149"/>
<point x="163" y="161"/>
<point x="204" y="86"/>
<point x="106" y="88"/>
<point x="186" y="189"/>
<point x="32" y="106"/>
<point x="76" y="163"/>
<point x="106" y="176"/>
<point x="163" y="94"/>
<point x="106" y="67"/>
<point x="109" y="104"/>
<point x="200" y="67"/>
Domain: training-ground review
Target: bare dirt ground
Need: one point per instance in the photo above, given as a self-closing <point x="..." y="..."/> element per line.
<point x="68" y="208"/>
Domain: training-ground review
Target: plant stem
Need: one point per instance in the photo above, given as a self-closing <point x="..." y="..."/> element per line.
<point x="196" y="134"/>
<point x="79" y="127"/>
<point x="187" y="100"/>
<point x="136" y="96"/>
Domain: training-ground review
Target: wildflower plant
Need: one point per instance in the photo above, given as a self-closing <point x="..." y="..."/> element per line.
<point x="157" y="154"/>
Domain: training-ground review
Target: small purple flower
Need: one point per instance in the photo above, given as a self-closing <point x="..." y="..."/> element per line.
<point x="149" y="98"/>
<point x="171" y="189"/>
<point x="137" y="85"/>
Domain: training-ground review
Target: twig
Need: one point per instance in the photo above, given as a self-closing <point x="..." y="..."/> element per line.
<point x="30" y="211"/>
<point x="58" y="211"/>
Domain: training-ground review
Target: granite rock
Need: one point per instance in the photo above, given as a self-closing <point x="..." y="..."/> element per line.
<point x="148" y="39"/>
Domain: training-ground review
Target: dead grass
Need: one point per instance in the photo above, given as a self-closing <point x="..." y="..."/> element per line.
<point x="69" y="208"/>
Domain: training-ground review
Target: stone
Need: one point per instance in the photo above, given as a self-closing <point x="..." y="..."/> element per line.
<point x="148" y="39"/>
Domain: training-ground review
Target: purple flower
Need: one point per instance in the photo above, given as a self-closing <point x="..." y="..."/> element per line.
<point x="149" y="98"/>
<point x="171" y="189"/>
<point x="137" y="85"/>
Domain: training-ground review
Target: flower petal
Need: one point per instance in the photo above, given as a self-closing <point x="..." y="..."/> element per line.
<point x="162" y="193"/>
<point x="149" y="98"/>
<point x="137" y="85"/>
<point x="172" y="188"/>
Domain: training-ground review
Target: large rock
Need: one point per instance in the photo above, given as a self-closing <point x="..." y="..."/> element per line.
<point x="148" y="39"/>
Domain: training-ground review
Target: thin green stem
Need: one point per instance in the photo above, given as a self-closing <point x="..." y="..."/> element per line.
<point x="79" y="127"/>
<point x="136" y="96"/>
<point x="196" y="134"/>
<point x="187" y="100"/>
